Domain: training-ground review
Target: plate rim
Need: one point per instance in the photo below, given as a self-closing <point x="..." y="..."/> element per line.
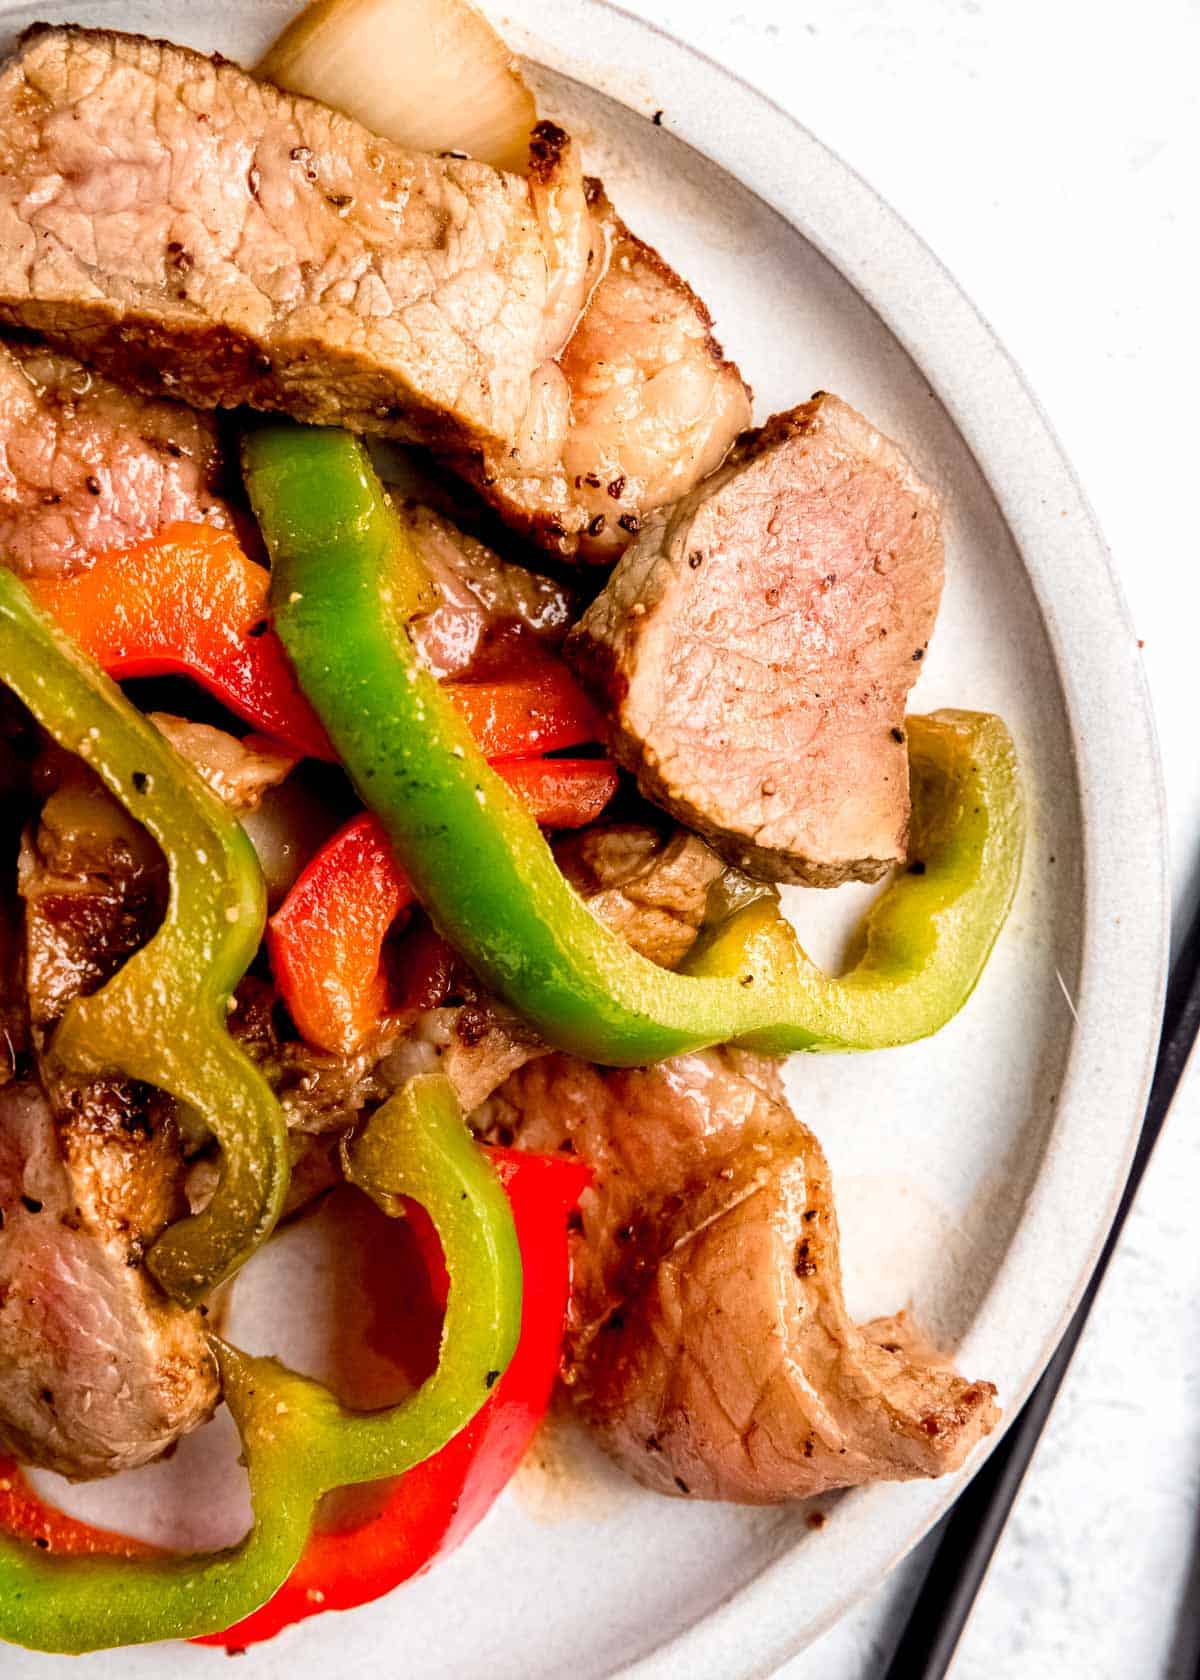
<point x="754" y="1631"/>
<point x="1093" y="646"/>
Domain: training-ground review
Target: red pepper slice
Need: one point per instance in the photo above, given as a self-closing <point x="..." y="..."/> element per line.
<point x="23" y="1512"/>
<point x="432" y="1509"/>
<point x="326" y="940"/>
<point x="188" y="601"/>
<point x="538" y="708"/>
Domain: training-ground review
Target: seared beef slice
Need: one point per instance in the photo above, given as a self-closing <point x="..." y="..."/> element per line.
<point x="99" y="1372"/>
<point x="640" y="405"/>
<point x="756" y="645"/>
<point x="707" y="1339"/>
<point x="86" y="466"/>
<point x="194" y="231"/>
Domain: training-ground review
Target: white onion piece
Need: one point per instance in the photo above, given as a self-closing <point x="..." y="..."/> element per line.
<point x="285" y="830"/>
<point x="432" y="75"/>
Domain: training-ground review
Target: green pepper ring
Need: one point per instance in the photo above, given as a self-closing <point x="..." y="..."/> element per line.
<point x="163" y="1017"/>
<point x="298" y="1442"/>
<point x="346" y="580"/>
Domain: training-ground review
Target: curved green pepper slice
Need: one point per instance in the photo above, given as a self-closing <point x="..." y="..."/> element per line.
<point x="163" y="1016"/>
<point x="345" y="581"/>
<point x="298" y="1442"/>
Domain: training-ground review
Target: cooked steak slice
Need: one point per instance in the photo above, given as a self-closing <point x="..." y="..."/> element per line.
<point x="86" y="466"/>
<point x="756" y="645"/>
<point x="640" y="406"/>
<point x="482" y="596"/>
<point x="652" y="891"/>
<point x="239" y="772"/>
<point x="94" y="886"/>
<point x="190" y="229"/>
<point x="98" y="1371"/>
<point x="708" y="1342"/>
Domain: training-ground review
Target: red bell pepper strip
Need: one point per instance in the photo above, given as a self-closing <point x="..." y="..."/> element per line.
<point x="537" y="708"/>
<point x="425" y="1513"/>
<point x="326" y="939"/>
<point x="24" y="1513"/>
<point x="188" y="601"/>
<point x="431" y="1509"/>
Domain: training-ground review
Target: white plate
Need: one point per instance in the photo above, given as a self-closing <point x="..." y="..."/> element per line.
<point x="976" y="1174"/>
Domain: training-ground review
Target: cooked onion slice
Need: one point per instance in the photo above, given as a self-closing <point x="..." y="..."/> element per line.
<point x="429" y="74"/>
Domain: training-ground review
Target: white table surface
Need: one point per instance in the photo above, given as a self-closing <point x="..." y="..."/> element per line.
<point x="1049" y="152"/>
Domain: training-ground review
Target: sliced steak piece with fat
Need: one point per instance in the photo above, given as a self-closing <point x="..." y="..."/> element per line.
<point x="756" y="645"/>
<point x="652" y="890"/>
<point x="192" y="230"/>
<point x="639" y="406"/>
<point x="482" y="597"/>
<point x="99" y="1372"/>
<point x="86" y="466"/>
<point x="707" y="1341"/>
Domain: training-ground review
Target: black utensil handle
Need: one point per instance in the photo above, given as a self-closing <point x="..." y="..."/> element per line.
<point x="973" y="1529"/>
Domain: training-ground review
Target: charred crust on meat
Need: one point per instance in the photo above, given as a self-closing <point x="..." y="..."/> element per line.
<point x="547" y="144"/>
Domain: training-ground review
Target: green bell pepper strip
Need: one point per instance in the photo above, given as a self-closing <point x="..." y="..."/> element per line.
<point x="345" y="580"/>
<point x="298" y="1442"/>
<point x="163" y="1016"/>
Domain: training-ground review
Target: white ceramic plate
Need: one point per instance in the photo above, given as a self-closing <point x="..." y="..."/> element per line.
<point x="976" y="1174"/>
